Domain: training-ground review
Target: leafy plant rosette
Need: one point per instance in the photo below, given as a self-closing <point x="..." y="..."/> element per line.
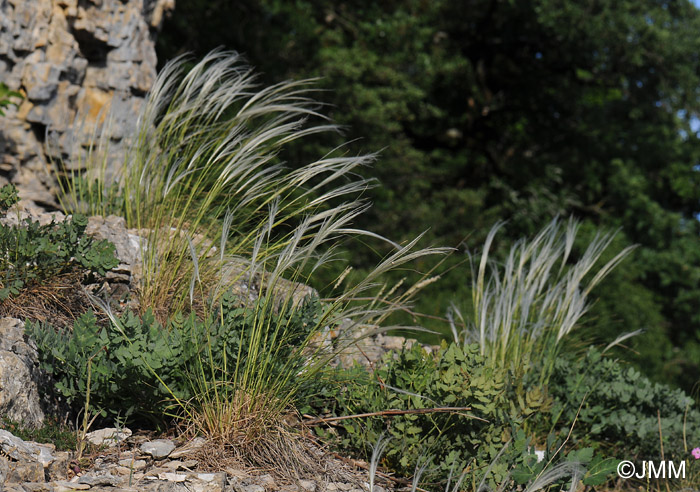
<point x="31" y="252"/>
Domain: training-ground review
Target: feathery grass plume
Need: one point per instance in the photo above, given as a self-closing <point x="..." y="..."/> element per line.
<point x="204" y="170"/>
<point x="524" y="309"/>
<point x="208" y="142"/>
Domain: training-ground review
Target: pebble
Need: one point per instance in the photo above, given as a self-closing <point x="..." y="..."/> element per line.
<point x="71" y="485"/>
<point x="308" y="485"/>
<point x="253" y="488"/>
<point x="133" y="464"/>
<point x="158" y="448"/>
<point x="99" y="479"/>
<point x="109" y="436"/>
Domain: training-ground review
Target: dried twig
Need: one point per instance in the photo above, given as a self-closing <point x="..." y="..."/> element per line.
<point x="384" y="413"/>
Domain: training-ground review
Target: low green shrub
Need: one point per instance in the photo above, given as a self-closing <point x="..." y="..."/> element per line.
<point x="413" y="380"/>
<point x="141" y="369"/>
<point x="30" y="252"/>
<point x="622" y="410"/>
<point x="455" y="378"/>
<point x="121" y="380"/>
<point x="487" y="442"/>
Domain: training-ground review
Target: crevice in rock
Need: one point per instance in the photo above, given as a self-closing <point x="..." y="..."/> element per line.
<point x="39" y="131"/>
<point x="92" y="49"/>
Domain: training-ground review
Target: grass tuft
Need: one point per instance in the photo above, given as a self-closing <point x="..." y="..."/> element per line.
<point x="524" y="309"/>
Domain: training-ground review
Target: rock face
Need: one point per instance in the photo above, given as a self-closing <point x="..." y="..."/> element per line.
<point x="20" y="376"/>
<point x="76" y="61"/>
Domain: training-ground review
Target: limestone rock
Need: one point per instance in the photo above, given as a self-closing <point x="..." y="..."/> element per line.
<point x="109" y="436"/>
<point x="20" y="376"/>
<point x="99" y="478"/>
<point x="75" y="62"/>
<point x="158" y="448"/>
<point x="24" y="471"/>
<point x="26" y="451"/>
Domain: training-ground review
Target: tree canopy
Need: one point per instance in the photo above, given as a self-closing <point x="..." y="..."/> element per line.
<point x="515" y="110"/>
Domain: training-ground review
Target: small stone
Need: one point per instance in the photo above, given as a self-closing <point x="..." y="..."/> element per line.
<point x="25" y="471"/>
<point x="331" y="487"/>
<point x="133" y="464"/>
<point x="253" y="488"/>
<point x="159" y="448"/>
<point x="173" y="465"/>
<point x="71" y="485"/>
<point x="172" y="477"/>
<point x="267" y="481"/>
<point x="100" y="479"/>
<point x="109" y="436"/>
<point x="19" y="450"/>
<point x="288" y="488"/>
<point x="307" y="485"/>
<point x="36" y="487"/>
<point x="121" y="470"/>
<point x="58" y="469"/>
<point x="188" y="448"/>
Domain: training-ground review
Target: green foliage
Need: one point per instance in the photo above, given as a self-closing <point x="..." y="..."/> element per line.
<point x="122" y="381"/>
<point x="456" y="378"/>
<point x="487" y="442"/>
<point x="622" y="408"/>
<point x="8" y="197"/>
<point x="6" y="96"/>
<point x="142" y="369"/>
<point x="30" y="252"/>
<point x="597" y="469"/>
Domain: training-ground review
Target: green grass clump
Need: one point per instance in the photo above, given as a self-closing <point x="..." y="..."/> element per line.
<point x="522" y="312"/>
<point x="205" y="179"/>
<point x="208" y="146"/>
<point x="140" y="369"/>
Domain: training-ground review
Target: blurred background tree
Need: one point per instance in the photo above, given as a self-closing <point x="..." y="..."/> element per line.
<point x="516" y="110"/>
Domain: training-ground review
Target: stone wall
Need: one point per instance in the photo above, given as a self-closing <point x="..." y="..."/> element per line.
<point x="75" y="61"/>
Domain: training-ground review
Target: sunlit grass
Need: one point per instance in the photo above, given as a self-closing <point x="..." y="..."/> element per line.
<point x="524" y="310"/>
<point x="204" y="181"/>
